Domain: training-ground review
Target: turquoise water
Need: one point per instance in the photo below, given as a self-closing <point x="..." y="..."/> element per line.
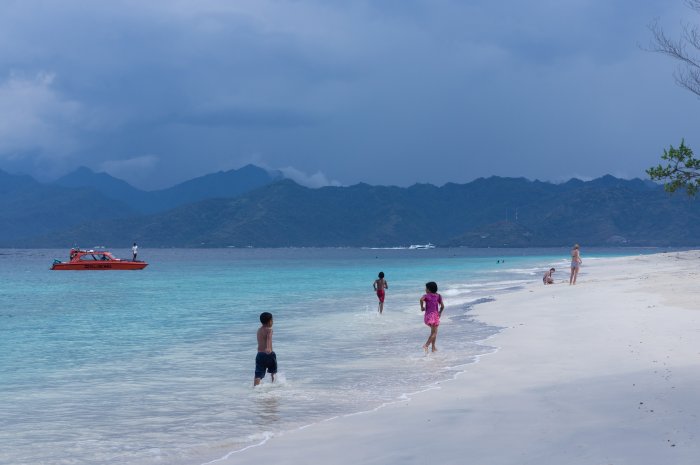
<point x="156" y="366"/>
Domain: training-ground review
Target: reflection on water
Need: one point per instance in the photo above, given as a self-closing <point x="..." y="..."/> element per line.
<point x="267" y="409"/>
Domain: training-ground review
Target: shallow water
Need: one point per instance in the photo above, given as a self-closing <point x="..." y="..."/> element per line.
<point x="156" y="366"/>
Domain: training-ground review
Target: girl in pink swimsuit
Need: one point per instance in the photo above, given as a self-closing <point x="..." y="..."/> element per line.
<point x="431" y="304"/>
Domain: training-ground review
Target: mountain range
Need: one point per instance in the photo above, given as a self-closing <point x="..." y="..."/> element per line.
<point x="253" y="207"/>
<point x="223" y="184"/>
<point x="29" y="208"/>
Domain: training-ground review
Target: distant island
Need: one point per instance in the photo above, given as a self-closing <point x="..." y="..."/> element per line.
<point x="254" y="207"/>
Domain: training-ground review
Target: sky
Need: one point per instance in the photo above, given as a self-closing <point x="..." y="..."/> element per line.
<point x="387" y="92"/>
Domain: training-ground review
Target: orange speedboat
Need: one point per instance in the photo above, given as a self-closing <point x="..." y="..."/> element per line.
<point x="96" y="260"/>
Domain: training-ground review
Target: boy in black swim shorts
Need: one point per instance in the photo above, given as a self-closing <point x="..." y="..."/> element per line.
<point x="266" y="360"/>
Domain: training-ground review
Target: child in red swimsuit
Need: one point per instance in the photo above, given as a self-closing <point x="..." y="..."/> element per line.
<point x="429" y="304"/>
<point x="379" y="285"/>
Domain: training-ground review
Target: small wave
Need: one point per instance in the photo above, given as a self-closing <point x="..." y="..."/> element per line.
<point x="482" y="300"/>
<point x="268" y="386"/>
<point x="501" y="284"/>
<point x="520" y="270"/>
<point x="489" y="284"/>
<point x="259" y="439"/>
<point x="455" y="292"/>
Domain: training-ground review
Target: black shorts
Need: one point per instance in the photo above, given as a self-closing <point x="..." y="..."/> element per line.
<point x="265" y="363"/>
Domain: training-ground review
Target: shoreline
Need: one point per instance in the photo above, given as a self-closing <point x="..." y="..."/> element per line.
<point x="548" y="400"/>
<point x="404" y="397"/>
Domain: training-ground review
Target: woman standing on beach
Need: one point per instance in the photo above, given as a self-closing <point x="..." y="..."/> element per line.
<point x="429" y="304"/>
<point x="575" y="264"/>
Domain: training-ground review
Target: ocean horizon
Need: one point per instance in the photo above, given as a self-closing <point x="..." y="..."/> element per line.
<point x="156" y="366"/>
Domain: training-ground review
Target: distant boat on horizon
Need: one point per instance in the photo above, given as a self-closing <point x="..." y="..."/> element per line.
<point x="385" y="248"/>
<point x="421" y="246"/>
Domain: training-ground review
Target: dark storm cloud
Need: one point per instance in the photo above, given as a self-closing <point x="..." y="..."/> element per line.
<point x="390" y="92"/>
<point x="244" y="117"/>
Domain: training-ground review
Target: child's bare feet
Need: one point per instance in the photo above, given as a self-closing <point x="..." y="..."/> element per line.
<point x="425" y="348"/>
<point x="434" y="349"/>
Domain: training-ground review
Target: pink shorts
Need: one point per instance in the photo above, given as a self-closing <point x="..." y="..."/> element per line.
<point x="431" y="318"/>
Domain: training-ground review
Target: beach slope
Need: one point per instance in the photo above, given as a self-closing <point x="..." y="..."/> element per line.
<point x="604" y="372"/>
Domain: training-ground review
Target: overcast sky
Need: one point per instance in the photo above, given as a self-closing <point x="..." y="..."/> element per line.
<point x="383" y="92"/>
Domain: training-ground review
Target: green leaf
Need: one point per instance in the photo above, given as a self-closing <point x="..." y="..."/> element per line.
<point x="681" y="172"/>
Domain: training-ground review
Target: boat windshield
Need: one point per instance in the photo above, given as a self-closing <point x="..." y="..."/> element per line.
<point x="95" y="256"/>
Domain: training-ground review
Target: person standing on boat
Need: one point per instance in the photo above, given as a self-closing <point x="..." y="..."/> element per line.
<point x="134" y="251"/>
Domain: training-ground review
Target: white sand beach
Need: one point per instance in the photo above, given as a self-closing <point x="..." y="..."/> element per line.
<point x="604" y="372"/>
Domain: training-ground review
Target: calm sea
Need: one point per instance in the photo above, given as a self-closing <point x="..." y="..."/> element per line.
<point x="156" y="366"/>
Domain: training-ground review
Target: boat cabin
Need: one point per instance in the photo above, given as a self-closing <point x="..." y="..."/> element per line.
<point x="77" y="255"/>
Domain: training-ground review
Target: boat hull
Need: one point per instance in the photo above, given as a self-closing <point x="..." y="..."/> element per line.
<point x="104" y="265"/>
